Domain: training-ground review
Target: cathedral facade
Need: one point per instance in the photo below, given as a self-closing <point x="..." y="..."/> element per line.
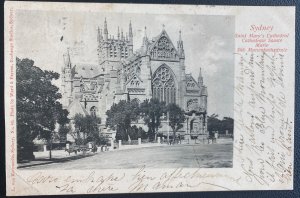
<point x="155" y="70"/>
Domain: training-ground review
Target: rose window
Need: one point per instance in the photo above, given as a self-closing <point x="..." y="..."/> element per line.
<point x="164" y="85"/>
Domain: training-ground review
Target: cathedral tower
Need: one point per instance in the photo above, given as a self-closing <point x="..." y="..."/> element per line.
<point x="67" y="80"/>
<point x="112" y="49"/>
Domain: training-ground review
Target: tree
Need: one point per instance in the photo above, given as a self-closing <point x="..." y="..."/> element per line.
<point x="88" y="126"/>
<point x="216" y="124"/>
<point x="176" y="118"/>
<point x="213" y="123"/>
<point x="121" y="133"/>
<point x="227" y="124"/>
<point x="38" y="108"/>
<point x="63" y="131"/>
<point x="152" y="110"/>
<point x="121" y="115"/>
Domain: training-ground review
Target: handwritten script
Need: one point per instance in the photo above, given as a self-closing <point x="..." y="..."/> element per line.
<point x="140" y="180"/>
<point x="264" y="127"/>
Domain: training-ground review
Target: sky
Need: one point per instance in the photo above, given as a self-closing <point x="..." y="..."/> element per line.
<point x="208" y="43"/>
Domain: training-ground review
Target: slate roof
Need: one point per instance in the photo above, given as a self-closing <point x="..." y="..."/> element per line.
<point x="76" y="108"/>
<point x="87" y="70"/>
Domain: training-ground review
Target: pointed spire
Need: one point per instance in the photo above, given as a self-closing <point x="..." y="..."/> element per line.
<point x="105" y="26"/>
<point x="180" y="42"/>
<point x="145" y="32"/>
<point x="122" y="35"/>
<point x="105" y="31"/>
<point x="180" y="35"/>
<point x="130" y="35"/>
<point x="145" y="39"/>
<point x="180" y="45"/>
<point x="130" y="29"/>
<point x="118" y="33"/>
<point x="200" y="78"/>
<point x="68" y="59"/>
<point x="98" y="34"/>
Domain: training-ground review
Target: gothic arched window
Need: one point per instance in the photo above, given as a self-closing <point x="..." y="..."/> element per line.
<point x="163" y="83"/>
<point x="192" y="104"/>
<point x="115" y="51"/>
<point x="111" y="52"/>
<point x="93" y="111"/>
<point x="126" y="52"/>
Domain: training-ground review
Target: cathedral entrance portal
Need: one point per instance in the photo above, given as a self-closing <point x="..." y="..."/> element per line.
<point x="194" y="126"/>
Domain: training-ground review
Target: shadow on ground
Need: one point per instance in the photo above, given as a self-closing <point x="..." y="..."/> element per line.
<point x="39" y="162"/>
<point x="218" y="155"/>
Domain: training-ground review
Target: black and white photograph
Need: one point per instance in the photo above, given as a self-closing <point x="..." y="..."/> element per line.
<point x="112" y="90"/>
<point x="105" y="98"/>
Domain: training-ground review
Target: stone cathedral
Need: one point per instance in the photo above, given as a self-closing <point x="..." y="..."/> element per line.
<point x="155" y="70"/>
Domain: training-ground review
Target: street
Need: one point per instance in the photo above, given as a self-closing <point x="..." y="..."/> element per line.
<point x="186" y="156"/>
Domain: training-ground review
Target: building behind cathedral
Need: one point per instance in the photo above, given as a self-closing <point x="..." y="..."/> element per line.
<point x="155" y="70"/>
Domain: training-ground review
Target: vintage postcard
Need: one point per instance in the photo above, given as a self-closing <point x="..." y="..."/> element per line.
<point x="131" y="98"/>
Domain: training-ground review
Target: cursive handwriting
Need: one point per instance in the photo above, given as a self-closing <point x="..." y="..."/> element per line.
<point x="265" y="130"/>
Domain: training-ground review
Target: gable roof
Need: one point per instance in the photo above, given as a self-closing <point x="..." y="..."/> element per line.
<point x="150" y="45"/>
<point x="133" y="76"/>
<point x="190" y="79"/>
<point x="76" y="108"/>
<point x="157" y="38"/>
<point x="87" y="70"/>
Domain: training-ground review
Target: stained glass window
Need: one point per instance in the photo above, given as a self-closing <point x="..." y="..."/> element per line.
<point x="164" y="85"/>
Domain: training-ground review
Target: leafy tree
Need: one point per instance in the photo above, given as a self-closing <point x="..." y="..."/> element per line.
<point x="152" y="110"/>
<point x="121" y="115"/>
<point x="176" y="118"/>
<point x="38" y="108"/>
<point x="88" y="126"/>
<point x="227" y="124"/>
<point x="121" y="133"/>
<point x="133" y="132"/>
<point x="142" y="133"/>
<point x="216" y="124"/>
<point x="213" y="123"/>
<point x="63" y="131"/>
